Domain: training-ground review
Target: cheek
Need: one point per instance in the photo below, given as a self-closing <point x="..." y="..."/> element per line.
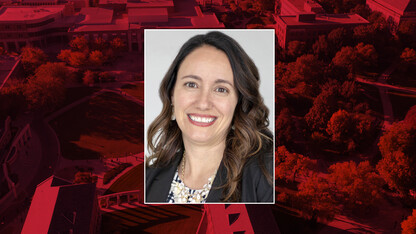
<point x="181" y="101"/>
<point x="228" y="109"/>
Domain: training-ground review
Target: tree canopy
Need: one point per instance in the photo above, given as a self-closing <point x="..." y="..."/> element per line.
<point x="398" y="163"/>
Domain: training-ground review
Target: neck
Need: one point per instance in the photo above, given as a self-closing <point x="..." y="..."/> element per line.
<point x="201" y="163"/>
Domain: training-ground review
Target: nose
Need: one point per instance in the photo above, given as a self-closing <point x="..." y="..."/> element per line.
<point x="204" y="101"/>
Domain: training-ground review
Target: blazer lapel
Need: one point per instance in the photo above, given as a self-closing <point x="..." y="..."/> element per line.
<point x="215" y="195"/>
<point x="161" y="180"/>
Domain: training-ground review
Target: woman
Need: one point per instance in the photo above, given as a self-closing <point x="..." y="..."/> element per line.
<point x="210" y="143"/>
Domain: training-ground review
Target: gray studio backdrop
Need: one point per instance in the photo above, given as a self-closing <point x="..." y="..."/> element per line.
<point x="162" y="45"/>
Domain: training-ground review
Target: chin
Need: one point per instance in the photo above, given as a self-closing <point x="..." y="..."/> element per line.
<point x="201" y="138"/>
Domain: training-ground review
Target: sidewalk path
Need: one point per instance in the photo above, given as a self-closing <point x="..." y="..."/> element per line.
<point x="383" y="89"/>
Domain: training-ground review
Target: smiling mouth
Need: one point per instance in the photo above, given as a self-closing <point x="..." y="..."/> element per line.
<point x="202" y="121"/>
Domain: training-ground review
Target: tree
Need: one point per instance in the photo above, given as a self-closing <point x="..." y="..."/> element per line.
<point x="341" y="126"/>
<point x="32" y="58"/>
<point x="408" y="55"/>
<point x="64" y="56"/>
<point x="346" y="58"/>
<point x="97" y="58"/>
<point x="285" y="128"/>
<point x="117" y="44"/>
<point x="407" y="33"/>
<point x="362" y="10"/>
<point x="289" y="165"/>
<point x="106" y="77"/>
<point x="308" y="69"/>
<point x="366" y="55"/>
<point x="407" y="60"/>
<point x="356" y="59"/>
<point x="89" y="78"/>
<point x="356" y="186"/>
<point x="99" y="44"/>
<point x="296" y="48"/>
<point x="324" y="105"/>
<point x="351" y="130"/>
<point x="398" y="163"/>
<point x="411" y="116"/>
<point x="85" y="178"/>
<point x="338" y="38"/>
<point x="78" y="59"/>
<point x="316" y="199"/>
<point x="377" y="20"/>
<point x="55" y="70"/>
<point x="280" y="69"/>
<point x="409" y="225"/>
<point x="79" y="43"/>
<point x="267" y="5"/>
<point x="364" y="33"/>
<point x="320" y="47"/>
<point x="44" y="92"/>
<point x="12" y="99"/>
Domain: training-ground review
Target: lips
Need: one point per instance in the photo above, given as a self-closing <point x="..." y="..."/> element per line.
<point x="202" y="120"/>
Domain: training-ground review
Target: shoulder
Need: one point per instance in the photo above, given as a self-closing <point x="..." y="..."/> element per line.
<point x="158" y="180"/>
<point x="255" y="183"/>
<point x="259" y="161"/>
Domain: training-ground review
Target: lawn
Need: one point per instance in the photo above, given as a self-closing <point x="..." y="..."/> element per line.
<point x="135" y="90"/>
<point x="105" y="126"/>
<point x="153" y="219"/>
<point x="132" y="180"/>
<point x="401" y="103"/>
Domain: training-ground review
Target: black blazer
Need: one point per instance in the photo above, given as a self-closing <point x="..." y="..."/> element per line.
<point x="254" y="185"/>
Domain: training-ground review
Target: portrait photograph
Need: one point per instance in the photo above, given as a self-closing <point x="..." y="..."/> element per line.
<point x="209" y="116"/>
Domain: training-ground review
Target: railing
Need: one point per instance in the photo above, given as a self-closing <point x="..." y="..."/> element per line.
<point x="117" y="199"/>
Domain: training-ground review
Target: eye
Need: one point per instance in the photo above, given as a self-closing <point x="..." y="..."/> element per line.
<point x="221" y="90"/>
<point x="191" y="85"/>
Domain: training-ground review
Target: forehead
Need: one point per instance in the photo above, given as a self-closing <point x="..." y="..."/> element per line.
<point x="207" y="62"/>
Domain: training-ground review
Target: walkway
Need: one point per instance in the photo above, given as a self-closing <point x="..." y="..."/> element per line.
<point x="383" y="89"/>
<point x="100" y="167"/>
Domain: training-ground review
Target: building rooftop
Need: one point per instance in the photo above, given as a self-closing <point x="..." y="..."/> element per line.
<point x="300" y="4"/>
<point x="95" y="15"/>
<point x="6" y="66"/>
<point x="115" y="25"/>
<point x="24" y="13"/>
<point x="149" y="3"/>
<point x="44" y="1"/>
<point x="140" y="15"/>
<point x="399" y="6"/>
<point x="325" y="19"/>
<point x="103" y="2"/>
<point x="58" y="206"/>
<point x="206" y="21"/>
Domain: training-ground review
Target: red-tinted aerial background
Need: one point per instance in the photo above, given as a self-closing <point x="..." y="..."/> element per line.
<point x="71" y="116"/>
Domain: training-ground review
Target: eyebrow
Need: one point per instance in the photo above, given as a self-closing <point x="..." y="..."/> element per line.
<point x="200" y="79"/>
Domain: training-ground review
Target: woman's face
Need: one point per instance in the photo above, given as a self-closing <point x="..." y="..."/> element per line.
<point x="204" y="96"/>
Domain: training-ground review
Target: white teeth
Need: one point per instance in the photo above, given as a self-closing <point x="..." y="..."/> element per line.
<point x="201" y="119"/>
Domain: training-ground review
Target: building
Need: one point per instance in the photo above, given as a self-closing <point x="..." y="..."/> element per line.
<point x="294" y="7"/>
<point x="395" y="11"/>
<point x="147" y="4"/>
<point x="59" y="206"/>
<point x="119" y="6"/>
<point x="99" y="22"/>
<point x="307" y="27"/>
<point x="207" y="3"/>
<point x="33" y="25"/>
<point x="38" y="2"/>
<point x="126" y="19"/>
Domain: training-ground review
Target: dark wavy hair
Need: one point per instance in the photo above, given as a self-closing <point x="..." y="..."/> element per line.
<point x="249" y="136"/>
